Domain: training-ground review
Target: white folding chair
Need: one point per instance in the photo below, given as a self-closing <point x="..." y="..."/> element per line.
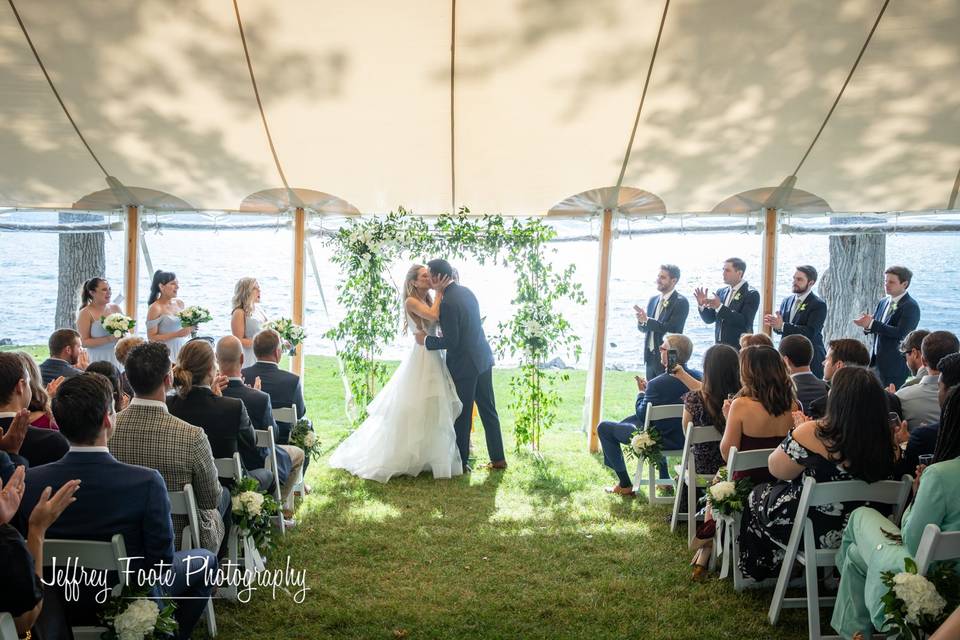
<point x="726" y="541"/>
<point x="265" y="440"/>
<point x="184" y="503"/>
<point x="688" y="476"/>
<point x="8" y="628"/>
<point x="936" y="546"/>
<point x="241" y="552"/>
<point x="655" y="412"/>
<point x="802" y="546"/>
<point x="289" y="415"/>
<point x="89" y="554"/>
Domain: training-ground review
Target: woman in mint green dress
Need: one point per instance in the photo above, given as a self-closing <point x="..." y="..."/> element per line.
<point x="865" y="552"/>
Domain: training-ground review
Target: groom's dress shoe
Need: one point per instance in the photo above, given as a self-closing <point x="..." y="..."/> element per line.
<point x="626" y="492"/>
<point x="502" y="464"/>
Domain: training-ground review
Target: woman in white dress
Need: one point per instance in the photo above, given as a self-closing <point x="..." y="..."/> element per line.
<point x="409" y="428"/>
<point x="163" y="323"/>
<point x="95" y="298"/>
<point x="247" y="316"/>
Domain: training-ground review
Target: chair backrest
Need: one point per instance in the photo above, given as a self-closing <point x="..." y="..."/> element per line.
<point x="935" y="546"/>
<point x="662" y="412"/>
<point x="286" y="414"/>
<point x="746" y="460"/>
<point x="892" y="492"/>
<point x="90" y="554"/>
<point x="229" y="468"/>
<point x="184" y="503"/>
<point x="702" y="435"/>
<point x="8" y="628"/>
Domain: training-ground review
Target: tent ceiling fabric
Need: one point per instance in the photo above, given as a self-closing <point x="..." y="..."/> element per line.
<point x="278" y="200"/>
<point x="799" y="201"/>
<point x="357" y="97"/>
<point x="150" y="198"/>
<point x="626" y="201"/>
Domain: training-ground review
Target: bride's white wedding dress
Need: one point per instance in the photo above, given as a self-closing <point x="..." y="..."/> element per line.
<point x="409" y="428"/>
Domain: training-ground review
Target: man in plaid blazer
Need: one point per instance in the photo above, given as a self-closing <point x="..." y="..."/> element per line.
<point x="147" y="435"/>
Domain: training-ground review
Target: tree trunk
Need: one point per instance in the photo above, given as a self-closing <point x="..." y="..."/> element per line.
<point x="82" y="256"/>
<point x="852" y="283"/>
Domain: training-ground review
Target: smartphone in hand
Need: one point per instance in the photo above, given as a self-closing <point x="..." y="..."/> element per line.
<point x="673" y="360"/>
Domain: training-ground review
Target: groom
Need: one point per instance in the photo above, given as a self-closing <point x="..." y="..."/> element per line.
<point x="470" y="362"/>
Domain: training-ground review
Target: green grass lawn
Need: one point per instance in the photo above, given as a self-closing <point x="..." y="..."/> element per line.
<point x="538" y="551"/>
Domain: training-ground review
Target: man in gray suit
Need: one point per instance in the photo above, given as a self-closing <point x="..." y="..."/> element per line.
<point x="67" y="356"/>
<point x="797" y="353"/>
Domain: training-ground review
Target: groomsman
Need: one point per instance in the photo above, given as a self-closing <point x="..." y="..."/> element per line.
<point x="803" y="313"/>
<point x="897" y="315"/>
<point x="733" y="307"/>
<point x="665" y="313"/>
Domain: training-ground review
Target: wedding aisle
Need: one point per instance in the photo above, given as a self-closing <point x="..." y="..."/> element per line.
<point x="537" y="552"/>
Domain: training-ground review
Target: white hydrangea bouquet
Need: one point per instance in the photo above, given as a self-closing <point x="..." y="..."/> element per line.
<point x="915" y="605"/>
<point x="252" y="511"/>
<point x="302" y="435"/>
<point x="292" y="334"/>
<point x="645" y="445"/>
<point x="193" y="316"/>
<point x="135" y="616"/>
<point x="726" y="496"/>
<point x="117" y="324"/>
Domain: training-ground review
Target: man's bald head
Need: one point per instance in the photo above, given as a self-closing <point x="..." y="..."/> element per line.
<point x="230" y="356"/>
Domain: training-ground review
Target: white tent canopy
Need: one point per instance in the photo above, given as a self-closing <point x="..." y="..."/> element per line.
<point x="358" y="100"/>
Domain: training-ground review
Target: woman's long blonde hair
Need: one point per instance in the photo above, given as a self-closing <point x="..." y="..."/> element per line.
<point x="410" y="291"/>
<point x="243" y="295"/>
<point x="194" y="363"/>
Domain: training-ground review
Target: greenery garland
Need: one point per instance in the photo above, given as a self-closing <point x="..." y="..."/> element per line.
<point x="365" y="248"/>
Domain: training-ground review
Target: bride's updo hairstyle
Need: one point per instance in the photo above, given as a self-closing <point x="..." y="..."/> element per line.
<point x="195" y="364"/>
<point x="159" y="278"/>
<point x="243" y="295"/>
<point x="410" y="291"/>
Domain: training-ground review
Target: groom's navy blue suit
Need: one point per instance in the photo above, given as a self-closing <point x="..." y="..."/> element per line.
<point x="470" y="362"/>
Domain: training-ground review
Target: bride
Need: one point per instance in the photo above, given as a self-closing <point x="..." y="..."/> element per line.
<point x="409" y="428"/>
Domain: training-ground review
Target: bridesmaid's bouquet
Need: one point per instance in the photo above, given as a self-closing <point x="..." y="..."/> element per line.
<point x="645" y="445"/>
<point x="193" y="316"/>
<point x="117" y="324"/>
<point x="292" y="334"/>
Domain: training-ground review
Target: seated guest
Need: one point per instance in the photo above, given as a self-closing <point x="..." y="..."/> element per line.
<point x="664" y="389"/>
<point x="842" y="353"/>
<point x="121" y="351"/>
<point x="865" y="552"/>
<point x="920" y="403"/>
<point x="109" y="371"/>
<point x="910" y="348"/>
<point x="289" y="457"/>
<point x="797" y="353"/>
<point x="922" y="440"/>
<point x="21" y="592"/>
<point x="113" y="498"/>
<point x="199" y="402"/>
<point x="755" y="340"/>
<point x="67" y="356"/>
<point x="284" y="388"/>
<point x="853" y="442"/>
<point x="27" y="445"/>
<point x="147" y="435"/>
<point x="40" y="414"/>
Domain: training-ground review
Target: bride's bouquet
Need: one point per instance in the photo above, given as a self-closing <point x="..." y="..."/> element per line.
<point x="193" y="316"/>
<point x="292" y="334"/>
<point x="117" y="324"/>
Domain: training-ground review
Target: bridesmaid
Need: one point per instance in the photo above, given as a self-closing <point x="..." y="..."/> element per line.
<point x="247" y="316"/>
<point x="163" y="325"/>
<point x="95" y="298"/>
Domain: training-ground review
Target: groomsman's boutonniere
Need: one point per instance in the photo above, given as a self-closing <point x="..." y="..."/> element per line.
<point x="893" y="307"/>
<point x="737" y="297"/>
<point x="803" y="305"/>
<point x="666" y="303"/>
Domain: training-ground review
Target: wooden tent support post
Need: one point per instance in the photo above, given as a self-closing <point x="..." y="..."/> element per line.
<point x="769" y="277"/>
<point x="299" y="276"/>
<point x="131" y="261"/>
<point x="600" y="334"/>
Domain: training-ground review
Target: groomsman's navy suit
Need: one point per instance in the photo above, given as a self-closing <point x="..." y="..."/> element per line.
<point x="119" y="498"/>
<point x="736" y="319"/>
<point x="672" y="319"/>
<point x="885" y="356"/>
<point x="807" y="321"/>
<point x="664" y="389"/>
<point x="284" y="388"/>
<point x="53" y="368"/>
<point x="470" y="362"/>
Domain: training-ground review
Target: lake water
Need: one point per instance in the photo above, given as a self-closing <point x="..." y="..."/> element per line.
<point x="208" y="264"/>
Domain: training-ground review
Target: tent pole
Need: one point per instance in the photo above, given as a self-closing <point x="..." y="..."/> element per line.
<point x="600" y="333"/>
<point x="131" y="260"/>
<point x="299" y="271"/>
<point x="769" y="264"/>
